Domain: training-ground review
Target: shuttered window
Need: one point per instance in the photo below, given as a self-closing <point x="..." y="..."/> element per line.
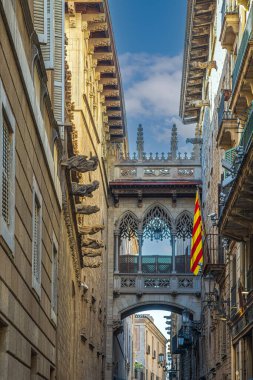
<point x="36" y="239"/>
<point x="7" y="170"/>
<point x="40" y="19"/>
<point x="44" y="26"/>
<point x="54" y="279"/>
<point x="59" y="61"/>
<point x="6" y="174"/>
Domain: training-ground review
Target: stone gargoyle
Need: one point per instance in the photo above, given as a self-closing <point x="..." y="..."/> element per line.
<point x="86" y="209"/>
<point x="92" y="243"/>
<point x="84" y="190"/>
<point x="90" y="252"/>
<point x="91" y="230"/>
<point x="81" y="163"/>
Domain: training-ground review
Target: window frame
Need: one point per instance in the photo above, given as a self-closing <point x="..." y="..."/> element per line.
<point x="37" y="198"/>
<point x="54" y="279"/>
<point x="7" y="230"/>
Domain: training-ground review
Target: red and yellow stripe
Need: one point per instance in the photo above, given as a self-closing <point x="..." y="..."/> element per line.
<point x="196" y="244"/>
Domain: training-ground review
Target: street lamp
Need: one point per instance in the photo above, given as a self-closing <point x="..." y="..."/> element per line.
<point x="160" y="359"/>
<point x="185" y="317"/>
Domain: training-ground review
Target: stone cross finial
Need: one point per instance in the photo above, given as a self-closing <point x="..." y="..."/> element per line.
<point x="140" y="142"/>
<point x="173" y="142"/>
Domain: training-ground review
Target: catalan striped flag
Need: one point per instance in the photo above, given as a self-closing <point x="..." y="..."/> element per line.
<point x="196" y="244"/>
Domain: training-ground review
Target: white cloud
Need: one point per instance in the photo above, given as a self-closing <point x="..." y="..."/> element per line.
<point x="152" y="86"/>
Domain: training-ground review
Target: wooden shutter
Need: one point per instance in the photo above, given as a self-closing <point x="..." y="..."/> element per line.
<point x="6" y="158"/>
<point x="48" y="48"/>
<point x="40" y="19"/>
<point x="59" y="62"/>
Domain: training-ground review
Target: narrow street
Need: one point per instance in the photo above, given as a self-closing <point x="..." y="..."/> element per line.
<point x="126" y="190"/>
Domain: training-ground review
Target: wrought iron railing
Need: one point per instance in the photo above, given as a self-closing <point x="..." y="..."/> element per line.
<point x="250" y="280"/>
<point x="247" y="36"/>
<point x="233" y="305"/>
<point x="247" y="135"/>
<point x="213" y="249"/>
<point x="224" y="114"/>
<point x="228" y="8"/>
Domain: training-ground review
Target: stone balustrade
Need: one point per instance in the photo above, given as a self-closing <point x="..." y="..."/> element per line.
<point x="156" y="283"/>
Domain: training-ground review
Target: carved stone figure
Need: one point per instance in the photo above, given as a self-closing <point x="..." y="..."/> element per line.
<point x="91" y="230"/>
<point x="81" y="163"/>
<point x="84" y="190"/>
<point x="92" y="243"/>
<point x="86" y="210"/>
<point x="90" y="252"/>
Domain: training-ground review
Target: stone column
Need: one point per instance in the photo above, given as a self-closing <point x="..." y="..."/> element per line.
<point x="140" y="250"/>
<point x="173" y="246"/>
<point x="116" y="251"/>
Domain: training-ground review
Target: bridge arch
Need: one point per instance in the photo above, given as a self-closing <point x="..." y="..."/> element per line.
<point x="126" y="305"/>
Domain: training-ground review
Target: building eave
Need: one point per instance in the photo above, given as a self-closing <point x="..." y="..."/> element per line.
<point x="199" y="18"/>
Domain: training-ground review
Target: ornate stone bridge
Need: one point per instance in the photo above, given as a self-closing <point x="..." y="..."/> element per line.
<point x="150" y="227"/>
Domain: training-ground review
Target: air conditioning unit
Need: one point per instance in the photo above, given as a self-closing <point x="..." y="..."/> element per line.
<point x="148" y="350"/>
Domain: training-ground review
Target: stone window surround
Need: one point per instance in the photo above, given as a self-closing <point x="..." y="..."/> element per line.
<point x="7" y="231"/>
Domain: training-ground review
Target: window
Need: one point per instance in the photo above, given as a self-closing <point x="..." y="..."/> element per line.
<point x="54" y="279"/>
<point x="7" y="170"/>
<point x="36" y="238"/>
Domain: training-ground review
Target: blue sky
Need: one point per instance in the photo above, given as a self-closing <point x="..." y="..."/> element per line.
<point x="149" y="38"/>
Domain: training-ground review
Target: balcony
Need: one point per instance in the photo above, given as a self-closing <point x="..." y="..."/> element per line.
<point x="230" y="25"/>
<point x="242" y="77"/>
<point x="214" y="263"/>
<point x="236" y="212"/>
<point x="227" y="127"/>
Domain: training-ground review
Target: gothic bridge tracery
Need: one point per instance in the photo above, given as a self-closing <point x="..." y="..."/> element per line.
<point x="149" y="229"/>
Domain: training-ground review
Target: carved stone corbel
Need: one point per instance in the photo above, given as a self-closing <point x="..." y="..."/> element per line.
<point x="204" y="65"/>
<point x="199" y="103"/>
<point x="84" y="190"/>
<point x="91" y="230"/>
<point x="86" y="210"/>
<point x="92" y="243"/>
<point x="81" y="164"/>
<point x="139" y="202"/>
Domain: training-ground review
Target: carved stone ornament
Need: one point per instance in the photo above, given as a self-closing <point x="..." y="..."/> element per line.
<point x="84" y="190"/>
<point x="86" y="210"/>
<point x="90" y="252"/>
<point x="205" y="65"/>
<point x="92" y="243"/>
<point x="91" y="230"/>
<point x="81" y="163"/>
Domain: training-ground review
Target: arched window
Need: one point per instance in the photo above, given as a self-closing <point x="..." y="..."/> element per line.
<point x="184" y="225"/>
<point x="157" y="224"/>
<point x="128" y="227"/>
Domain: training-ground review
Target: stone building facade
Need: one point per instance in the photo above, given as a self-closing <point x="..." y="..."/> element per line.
<point x="148" y="344"/>
<point x="217" y="96"/>
<point x="59" y="132"/>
